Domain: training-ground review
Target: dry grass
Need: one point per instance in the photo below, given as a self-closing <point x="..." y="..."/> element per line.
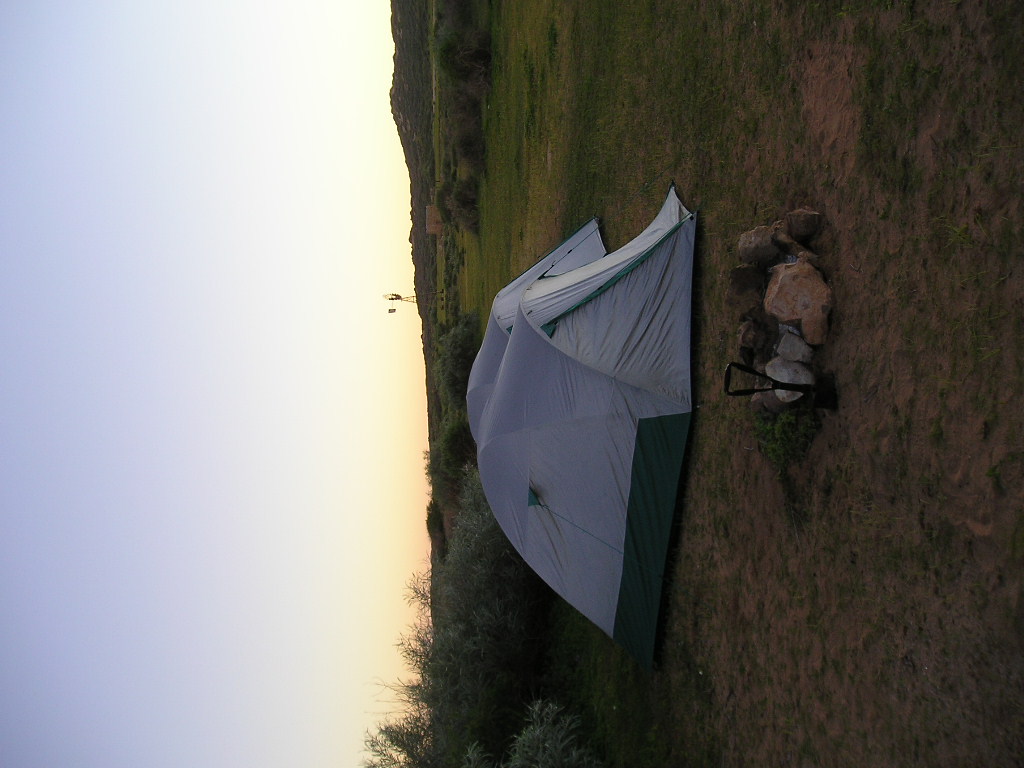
<point x="887" y="628"/>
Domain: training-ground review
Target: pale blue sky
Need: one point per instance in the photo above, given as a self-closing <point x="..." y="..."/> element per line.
<point x="211" y="431"/>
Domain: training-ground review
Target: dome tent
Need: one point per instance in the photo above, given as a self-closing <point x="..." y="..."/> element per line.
<point x="580" y="248"/>
<point x="580" y="408"/>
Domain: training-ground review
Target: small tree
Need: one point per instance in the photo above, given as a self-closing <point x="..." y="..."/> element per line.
<point x="549" y="740"/>
<point x="466" y="56"/>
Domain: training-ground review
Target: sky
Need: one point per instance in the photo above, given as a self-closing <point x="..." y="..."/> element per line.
<point x="211" y="430"/>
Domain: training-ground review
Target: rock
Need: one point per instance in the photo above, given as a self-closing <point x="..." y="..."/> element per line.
<point x="788" y="372"/>
<point x="767" y="401"/>
<point x="785" y="243"/>
<point x="803" y="224"/>
<point x="757" y="248"/>
<point x="792" y="347"/>
<point x="746" y="289"/>
<point x="751" y="335"/>
<point x="756" y="338"/>
<point x="746" y="279"/>
<point x="792" y="250"/>
<point x="797" y="293"/>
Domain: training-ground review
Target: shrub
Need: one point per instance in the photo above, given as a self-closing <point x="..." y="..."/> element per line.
<point x="550" y="739"/>
<point x="786" y="437"/>
<point x="469" y="146"/>
<point x="462" y="204"/>
<point x="487" y="607"/>
<point x="465" y="57"/>
<point x="448" y="456"/>
<point x="458" y="13"/>
<point x="455" y="352"/>
<point x="435" y="519"/>
<point x="474" y="650"/>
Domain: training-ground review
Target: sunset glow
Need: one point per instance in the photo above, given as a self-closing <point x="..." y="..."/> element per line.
<point x="212" y="489"/>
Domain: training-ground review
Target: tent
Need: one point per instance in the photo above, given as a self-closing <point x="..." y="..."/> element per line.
<point x="579" y="401"/>
<point x="580" y="248"/>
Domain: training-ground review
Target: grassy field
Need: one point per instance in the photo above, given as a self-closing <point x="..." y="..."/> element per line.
<point x="885" y="628"/>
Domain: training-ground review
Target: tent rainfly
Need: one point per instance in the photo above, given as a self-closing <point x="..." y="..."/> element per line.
<point x="579" y="402"/>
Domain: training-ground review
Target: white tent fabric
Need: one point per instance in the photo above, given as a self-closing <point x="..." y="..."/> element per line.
<point x="582" y="247"/>
<point x="556" y="293"/>
<point x="581" y="412"/>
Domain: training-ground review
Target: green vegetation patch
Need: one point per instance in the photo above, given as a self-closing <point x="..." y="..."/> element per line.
<point x="786" y="437"/>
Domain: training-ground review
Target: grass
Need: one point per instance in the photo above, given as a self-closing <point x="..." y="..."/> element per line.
<point x="626" y="717"/>
<point x="786" y="643"/>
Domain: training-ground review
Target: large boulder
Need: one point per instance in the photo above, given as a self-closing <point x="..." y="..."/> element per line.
<point x="757" y="248"/>
<point x="798" y="295"/>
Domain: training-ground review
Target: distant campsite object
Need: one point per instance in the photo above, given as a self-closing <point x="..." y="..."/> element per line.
<point x="435" y="224"/>
<point x="579" y="401"/>
<point x="411" y="299"/>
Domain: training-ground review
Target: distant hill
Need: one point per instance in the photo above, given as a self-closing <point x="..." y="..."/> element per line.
<point x="413" y="110"/>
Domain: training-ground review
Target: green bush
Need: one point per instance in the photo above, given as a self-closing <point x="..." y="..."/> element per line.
<point x="464" y="59"/>
<point x="456" y="350"/>
<point x="435" y="519"/>
<point x="474" y="651"/>
<point x="487" y="608"/>
<point x="786" y="437"/>
<point x="457" y="14"/>
<point x="462" y="204"/>
<point x="550" y="739"/>
<point x="448" y="456"/>
<point x="465" y="56"/>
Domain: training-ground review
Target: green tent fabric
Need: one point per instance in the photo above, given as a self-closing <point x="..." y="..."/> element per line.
<point x="581" y="411"/>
